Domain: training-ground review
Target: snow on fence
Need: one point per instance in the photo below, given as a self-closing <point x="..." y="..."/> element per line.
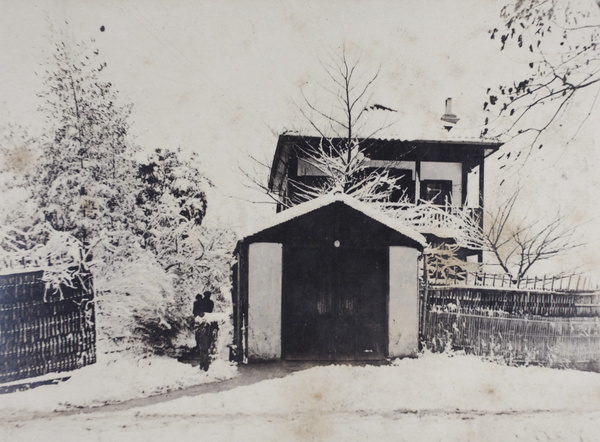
<point x="550" y="341"/>
<point x="44" y="330"/>
<point x="38" y="248"/>
<point x="11" y="264"/>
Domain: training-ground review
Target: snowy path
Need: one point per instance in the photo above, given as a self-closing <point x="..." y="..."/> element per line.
<point x="430" y="398"/>
<point x="248" y="374"/>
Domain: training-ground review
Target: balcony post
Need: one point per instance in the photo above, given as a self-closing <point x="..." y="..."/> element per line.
<point x="465" y="185"/>
<point x="481" y="187"/>
<point x="417" y="181"/>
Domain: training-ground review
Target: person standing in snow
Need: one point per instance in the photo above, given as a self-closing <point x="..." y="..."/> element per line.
<point x="198" y="311"/>
<point x="206" y="329"/>
<point x="207" y="305"/>
<point x="203" y="304"/>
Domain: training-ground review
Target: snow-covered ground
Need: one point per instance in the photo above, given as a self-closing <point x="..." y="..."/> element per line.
<point x="112" y="380"/>
<point x="434" y="397"/>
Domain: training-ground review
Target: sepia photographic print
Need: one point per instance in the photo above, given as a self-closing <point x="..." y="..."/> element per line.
<point x="299" y="221"/>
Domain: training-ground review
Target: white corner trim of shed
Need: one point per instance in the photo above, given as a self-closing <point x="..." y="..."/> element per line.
<point x="264" y="312"/>
<point x="403" y="307"/>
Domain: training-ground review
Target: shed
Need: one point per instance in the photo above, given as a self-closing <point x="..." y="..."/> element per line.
<point x="330" y="279"/>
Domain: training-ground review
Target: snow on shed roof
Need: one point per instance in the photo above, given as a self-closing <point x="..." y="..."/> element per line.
<point x="326" y="200"/>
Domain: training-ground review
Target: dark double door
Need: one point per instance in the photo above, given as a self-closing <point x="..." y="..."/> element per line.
<point x="334" y="303"/>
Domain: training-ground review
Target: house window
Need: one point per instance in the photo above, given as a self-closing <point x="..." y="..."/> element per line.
<point x="404" y="190"/>
<point x="308" y="168"/>
<point x="437" y="191"/>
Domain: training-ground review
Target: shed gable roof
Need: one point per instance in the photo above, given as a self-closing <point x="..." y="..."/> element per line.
<point x="327" y="200"/>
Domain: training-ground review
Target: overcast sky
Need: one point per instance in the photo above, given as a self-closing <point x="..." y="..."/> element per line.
<point x="223" y="79"/>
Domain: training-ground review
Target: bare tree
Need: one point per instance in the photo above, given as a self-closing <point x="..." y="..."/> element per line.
<point x="561" y="38"/>
<point x="344" y="128"/>
<point x="518" y="244"/>
<point x="345" y="132"/>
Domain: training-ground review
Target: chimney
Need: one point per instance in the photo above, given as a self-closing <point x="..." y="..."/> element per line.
<point x="449" y="118"/>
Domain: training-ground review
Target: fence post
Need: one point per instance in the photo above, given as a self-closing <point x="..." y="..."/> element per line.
<point x="424" y="302"/>
<point x="544" y="283"/>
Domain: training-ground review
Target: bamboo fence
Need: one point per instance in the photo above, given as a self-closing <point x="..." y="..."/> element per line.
<point x="551" y="341"/>
<point x="42" y="330"/>
<point x="519" y="325"/>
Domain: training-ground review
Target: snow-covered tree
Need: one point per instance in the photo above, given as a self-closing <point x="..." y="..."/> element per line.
<point x="83" y="181"/>
<point x="172" y="199"/>
<point x="512" y="243"/>
<point x="344" y="166"/>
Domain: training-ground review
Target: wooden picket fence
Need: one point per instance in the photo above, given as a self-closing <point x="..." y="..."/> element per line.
<point x="44" y="330"/>
<point x="560" y="283"/>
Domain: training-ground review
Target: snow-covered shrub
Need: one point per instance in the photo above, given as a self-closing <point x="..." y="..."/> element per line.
<point x="145" y="299"/>
<point x="132" y="290"/>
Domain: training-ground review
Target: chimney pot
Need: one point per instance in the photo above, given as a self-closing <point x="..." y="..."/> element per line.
<point x="449" y="118"/>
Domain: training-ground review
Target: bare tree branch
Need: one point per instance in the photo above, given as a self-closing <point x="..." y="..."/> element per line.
<point x="564" y="47"/>
<point x="517" y="245"/>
